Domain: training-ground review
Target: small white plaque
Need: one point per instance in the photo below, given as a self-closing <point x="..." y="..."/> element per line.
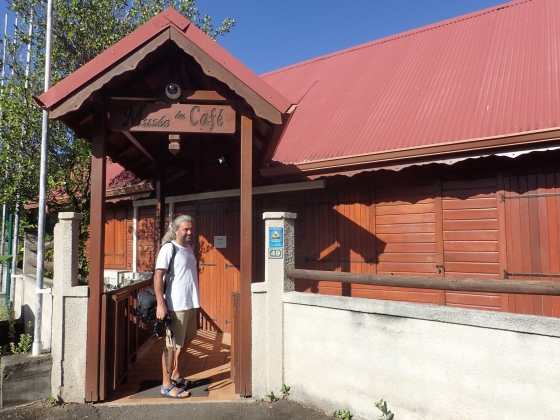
<point x="220" y="241"/>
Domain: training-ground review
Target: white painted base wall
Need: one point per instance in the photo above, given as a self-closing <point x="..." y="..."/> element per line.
<point x="428" y="362"/>
<point x="24" y="304"/>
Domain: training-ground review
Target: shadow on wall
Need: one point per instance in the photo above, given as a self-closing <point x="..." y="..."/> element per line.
<point x="385" y="222"/>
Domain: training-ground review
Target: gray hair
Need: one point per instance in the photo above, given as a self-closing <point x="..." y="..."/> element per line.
<point x="170" y="235"/>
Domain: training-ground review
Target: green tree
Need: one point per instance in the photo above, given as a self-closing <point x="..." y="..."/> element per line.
<point x="82" y="29"/>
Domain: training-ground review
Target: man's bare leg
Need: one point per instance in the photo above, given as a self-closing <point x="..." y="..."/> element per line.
<point x="167" y="370"/>
<point x="180" y="356"/>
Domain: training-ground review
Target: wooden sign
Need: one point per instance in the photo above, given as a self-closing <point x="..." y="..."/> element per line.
<point x="172" y="118"/>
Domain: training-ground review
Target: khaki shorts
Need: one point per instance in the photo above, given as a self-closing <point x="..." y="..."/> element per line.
<point x="183" y="327"/>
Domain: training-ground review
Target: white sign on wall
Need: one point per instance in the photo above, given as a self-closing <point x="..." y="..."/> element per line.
<point x="220" y="241"/>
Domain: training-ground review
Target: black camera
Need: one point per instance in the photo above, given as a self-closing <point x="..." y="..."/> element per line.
<point x="173" y="91"/>
<point x="158" y="326"/>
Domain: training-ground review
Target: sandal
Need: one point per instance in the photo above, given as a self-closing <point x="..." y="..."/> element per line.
<point x="166" y="392"/>
<point x="181" y="383"/>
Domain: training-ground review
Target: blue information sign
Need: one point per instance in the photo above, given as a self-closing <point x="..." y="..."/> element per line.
<point x="276" y="237"/>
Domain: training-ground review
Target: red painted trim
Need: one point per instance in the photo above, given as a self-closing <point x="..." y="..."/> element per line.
<point x="133" y="41"/>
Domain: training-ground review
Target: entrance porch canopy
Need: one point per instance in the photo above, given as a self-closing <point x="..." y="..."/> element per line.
<point x="126" y="103"/>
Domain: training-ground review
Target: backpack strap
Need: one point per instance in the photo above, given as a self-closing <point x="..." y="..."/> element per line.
<point x="170" y="267"/>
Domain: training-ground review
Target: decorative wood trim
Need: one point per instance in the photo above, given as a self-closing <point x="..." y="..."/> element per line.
<point x="261" y="107"/>
<point x="72" y="103"/>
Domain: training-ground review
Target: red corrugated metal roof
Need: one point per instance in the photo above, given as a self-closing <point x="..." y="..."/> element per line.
<point x="490" y="73"/>
<point x="169" y="17"/>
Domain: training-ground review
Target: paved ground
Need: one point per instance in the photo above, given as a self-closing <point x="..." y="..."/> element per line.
<point x="281" y="410"/>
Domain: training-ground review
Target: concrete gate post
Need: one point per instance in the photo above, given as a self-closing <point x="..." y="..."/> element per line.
<point x="267" y="307"/>
<point x="70" y="302"/>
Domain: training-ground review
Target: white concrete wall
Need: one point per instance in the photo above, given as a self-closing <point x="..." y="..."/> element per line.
<point x="70" y="303"/>
<point x="428" y="362"/>
<point x="25" y="302"/>
<point x="267" y="309"/>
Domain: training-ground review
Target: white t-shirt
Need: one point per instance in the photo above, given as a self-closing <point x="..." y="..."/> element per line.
<point x="181" y="287"/>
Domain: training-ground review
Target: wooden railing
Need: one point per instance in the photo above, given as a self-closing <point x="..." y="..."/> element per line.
<point x="526" y="287"/>
<point x="32" y="260"/>
<point x="121" y="337"/>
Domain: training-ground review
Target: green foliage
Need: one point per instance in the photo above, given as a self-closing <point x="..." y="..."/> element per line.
<point x="4" y="351"/>
<point x="386" y="414"/>
<point x="284" y="391"/>
<point x="5" y="258"/>
<point x="25" y="340"/>
<point x="52" y="401"/>
<point x="342" y="414"/>
<point x="12" y="330"/>
<point x="82" y="29"/>
<point x="4" y="312"/>
<point x="270" y="397"/>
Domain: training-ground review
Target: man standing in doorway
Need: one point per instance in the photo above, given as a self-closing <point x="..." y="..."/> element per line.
<point x="176" y="289"/>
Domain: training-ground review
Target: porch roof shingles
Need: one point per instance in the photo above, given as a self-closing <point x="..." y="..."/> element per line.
<point x="489" y="73"/>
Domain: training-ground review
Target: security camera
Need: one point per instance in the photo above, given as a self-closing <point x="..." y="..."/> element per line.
<point x="173" y="91"/>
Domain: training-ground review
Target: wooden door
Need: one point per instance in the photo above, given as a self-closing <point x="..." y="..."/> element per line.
<point x="470" y="239"/>
<point x="218" y="267"/>
<point x="532" y="213"/>
<point x="115" y="238"/>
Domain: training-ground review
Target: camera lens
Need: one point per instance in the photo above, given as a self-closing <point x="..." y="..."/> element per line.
<point x="172" y="89"/>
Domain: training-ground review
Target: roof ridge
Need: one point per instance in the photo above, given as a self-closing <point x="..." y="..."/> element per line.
<point x="400" y="35"/>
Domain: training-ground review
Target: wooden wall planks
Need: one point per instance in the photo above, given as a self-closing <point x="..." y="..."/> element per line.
<point x="470" y="236"/>
<point x="390" y="226"/>
<point x="532" y="236"/>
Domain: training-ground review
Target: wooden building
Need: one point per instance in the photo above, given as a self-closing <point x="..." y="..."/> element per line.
<point x="439" y="186"/>
<point x="429" y="153"/>
<point x="486" y="218"/>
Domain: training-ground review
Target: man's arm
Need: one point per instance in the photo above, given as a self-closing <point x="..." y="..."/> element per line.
<point x="161" y="310"/>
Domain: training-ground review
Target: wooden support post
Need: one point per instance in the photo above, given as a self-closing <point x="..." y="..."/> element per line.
<point x="161" y="228"/>
<point x="244" y="322"/>
<point x="97" y="255"/>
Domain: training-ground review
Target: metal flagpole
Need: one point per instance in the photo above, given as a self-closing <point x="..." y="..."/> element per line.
<point x="2" y="246"/>
<point x="43" y="190"/>
<point x="18" y="195"/>
<point x="2" y="235"/>
<point x="8" y="264"/>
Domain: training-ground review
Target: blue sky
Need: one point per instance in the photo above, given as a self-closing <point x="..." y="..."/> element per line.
<point x="272" y="34"/>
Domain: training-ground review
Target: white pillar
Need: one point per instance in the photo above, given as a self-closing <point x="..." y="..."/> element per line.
<point x="268" y="310"/>
<point x="70" y="301"/>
